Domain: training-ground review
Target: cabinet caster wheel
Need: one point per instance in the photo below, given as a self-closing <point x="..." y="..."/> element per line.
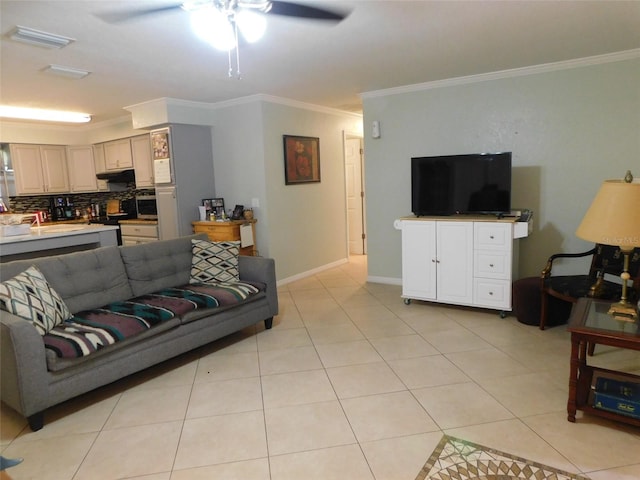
<point x="407" y="301"/>
<point x="503" y="314"/>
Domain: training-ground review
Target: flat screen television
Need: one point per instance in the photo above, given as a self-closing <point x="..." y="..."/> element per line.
<point x="461" y="184"/>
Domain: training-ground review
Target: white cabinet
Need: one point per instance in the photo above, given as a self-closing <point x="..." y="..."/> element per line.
<point x="463" y="262"/>
<point x="117" y="154"/>
<point x="168" y="214"/>
<point x="99" y="160"/>
<point x="82" y="169"/>
<point x="437" y="261"/>
<point x="40" y="169"/>
<point x="142" y="161"/>
<point x="137" y="233"/>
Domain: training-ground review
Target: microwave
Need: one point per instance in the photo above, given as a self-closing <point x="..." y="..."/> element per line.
<point x="146" y="207"/>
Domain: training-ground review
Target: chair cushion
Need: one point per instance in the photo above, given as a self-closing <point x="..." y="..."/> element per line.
<point x="577" y="286"/>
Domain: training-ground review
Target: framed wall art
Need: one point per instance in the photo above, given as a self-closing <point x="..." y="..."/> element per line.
<point x="301" y="159"/>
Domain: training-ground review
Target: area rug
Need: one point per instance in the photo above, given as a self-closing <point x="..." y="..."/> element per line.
<point x="455" y="459"/>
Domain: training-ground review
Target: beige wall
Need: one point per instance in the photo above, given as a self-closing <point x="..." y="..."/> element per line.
<point x="568" y="129"/>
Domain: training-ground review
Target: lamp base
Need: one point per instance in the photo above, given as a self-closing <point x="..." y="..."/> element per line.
<point x="623" y="311"/>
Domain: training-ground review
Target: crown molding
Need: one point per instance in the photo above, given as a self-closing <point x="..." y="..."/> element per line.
<point x="515" y="72"/>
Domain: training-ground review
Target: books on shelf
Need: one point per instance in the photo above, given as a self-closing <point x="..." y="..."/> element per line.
<point x="617" y="396"/>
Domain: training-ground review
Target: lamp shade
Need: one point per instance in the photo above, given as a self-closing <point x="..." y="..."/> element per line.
<point x="614" y="215"/>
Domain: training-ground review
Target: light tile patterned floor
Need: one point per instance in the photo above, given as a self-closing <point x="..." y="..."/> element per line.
<point x="349" y="384"/>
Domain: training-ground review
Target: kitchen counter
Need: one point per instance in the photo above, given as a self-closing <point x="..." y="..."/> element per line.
<point x="54" y="239"/>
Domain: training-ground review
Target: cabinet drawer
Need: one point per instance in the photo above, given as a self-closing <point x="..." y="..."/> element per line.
<point x="128" y="240"/>
<point x="492" y="264"/>
<point x="219" y="233"/>
<point x="134" y="230"/>
<point x="492" y="293"/>
<point x="494" y="236"/>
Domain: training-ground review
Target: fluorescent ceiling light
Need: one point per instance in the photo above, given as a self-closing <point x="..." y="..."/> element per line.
<point x="44" y="115"/>
<point x="67" y="71"/>
<point x="37" y="37"/>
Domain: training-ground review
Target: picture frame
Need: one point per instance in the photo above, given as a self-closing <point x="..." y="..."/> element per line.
<point x="214" y="206"/>
<point x="301" y="159"/>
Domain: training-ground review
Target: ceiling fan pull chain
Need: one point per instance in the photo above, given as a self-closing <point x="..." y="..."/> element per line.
<point x="235" y="33"/>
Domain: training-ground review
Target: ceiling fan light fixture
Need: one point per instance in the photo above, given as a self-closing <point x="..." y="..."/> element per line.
<point x="213" y="26"/>
<point x="252" y="25"/>
<point x="24" y="113"/>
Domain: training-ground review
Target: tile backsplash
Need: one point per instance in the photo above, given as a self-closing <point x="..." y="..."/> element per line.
<point x="81" y="201"/>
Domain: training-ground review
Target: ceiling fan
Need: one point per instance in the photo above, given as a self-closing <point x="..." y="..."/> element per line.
<point x="219" y="21"/>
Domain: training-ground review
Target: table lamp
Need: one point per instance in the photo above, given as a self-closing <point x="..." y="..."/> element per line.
<point x="614" y="219"/>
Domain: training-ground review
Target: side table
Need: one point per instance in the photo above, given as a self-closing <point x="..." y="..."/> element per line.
<point x="590" y="324"/>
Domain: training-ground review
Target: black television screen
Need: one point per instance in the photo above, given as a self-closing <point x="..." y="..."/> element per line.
<point x="461" y="184"/>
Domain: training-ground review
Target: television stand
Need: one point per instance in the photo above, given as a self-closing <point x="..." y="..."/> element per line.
<point x="466" y="260"/>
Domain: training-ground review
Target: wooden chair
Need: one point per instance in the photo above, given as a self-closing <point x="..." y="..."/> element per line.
<point x="605" y="259"/>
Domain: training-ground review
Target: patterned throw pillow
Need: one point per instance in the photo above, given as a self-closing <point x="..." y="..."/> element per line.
<point x="214" y="262"/>
<point x="29" y="295"/>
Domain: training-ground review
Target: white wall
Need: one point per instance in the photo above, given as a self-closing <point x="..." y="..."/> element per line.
<point x="303" y="227"/>
<point x="568" y="130"/>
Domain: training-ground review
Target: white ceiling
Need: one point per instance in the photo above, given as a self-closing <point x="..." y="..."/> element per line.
<point x="381" y="44"/>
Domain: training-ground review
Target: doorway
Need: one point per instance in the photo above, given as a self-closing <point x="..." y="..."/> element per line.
<point x="354" y="177"/>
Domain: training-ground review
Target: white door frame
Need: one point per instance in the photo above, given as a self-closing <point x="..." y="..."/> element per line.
<point x="353" y="136"/>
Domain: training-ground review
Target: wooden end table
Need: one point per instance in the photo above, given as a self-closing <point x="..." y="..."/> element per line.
<point x="590" y="324"/>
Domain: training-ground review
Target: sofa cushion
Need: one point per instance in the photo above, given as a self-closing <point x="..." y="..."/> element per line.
<point x="214" y="262"/>
<point x="154" y="266"/>
<point x="29" y="295"/>
<point x="225" y="295"/>
<point x="84" y="280"/>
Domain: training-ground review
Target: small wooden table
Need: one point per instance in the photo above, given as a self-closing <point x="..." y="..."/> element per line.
<point x="228" y="231"/>
<point x="590" y="324"/>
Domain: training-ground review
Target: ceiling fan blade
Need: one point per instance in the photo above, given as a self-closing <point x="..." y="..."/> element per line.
<point x="290" y="9"/>
<point x="119" y="16"/>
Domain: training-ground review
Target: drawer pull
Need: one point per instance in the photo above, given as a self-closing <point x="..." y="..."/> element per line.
<point x="491" y="265"/>
<point x="491" y="237"/>
<point x="490" y="294"/>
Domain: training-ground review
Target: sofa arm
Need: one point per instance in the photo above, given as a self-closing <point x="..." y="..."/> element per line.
<point x="23" y="366"/>
<point x="261" y="269"/>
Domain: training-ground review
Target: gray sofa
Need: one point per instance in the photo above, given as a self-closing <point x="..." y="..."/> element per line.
<point x="32" y="379"/>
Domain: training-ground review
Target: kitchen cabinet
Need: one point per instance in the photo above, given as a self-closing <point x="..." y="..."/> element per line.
<point x="117" y="154"/>
<point x="82" y="169"/>
<point x="99" y="160"/>
<point x="40" y="169"/>
<point x="227" y="231"/>
<point x="135" y="233"/>
<point x="142" y="161"/>
<point x="470" y="261"/>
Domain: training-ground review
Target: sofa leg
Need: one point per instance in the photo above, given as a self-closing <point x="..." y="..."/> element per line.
<point x="268" y="323"/>
<point x="36" y="421"/>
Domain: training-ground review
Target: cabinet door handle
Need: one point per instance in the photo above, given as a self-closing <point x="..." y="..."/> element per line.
<point x="491" y="237"/>
<point x="490" y="294"/>
<point x="491" y="265"/>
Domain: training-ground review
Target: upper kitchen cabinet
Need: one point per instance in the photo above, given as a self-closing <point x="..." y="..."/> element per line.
<point x="40" y="169"/>
<point x="117" y="155"/>
<point x="82" y="169"/>
<point x="142" y="161"/>
<point x="98" y="158"/>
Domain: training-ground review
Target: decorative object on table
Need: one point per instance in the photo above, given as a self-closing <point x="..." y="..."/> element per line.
<point x="215" y="208"/>
<point x="248" y="214"/>
<point x="458" y="459"/>
<point x="237" y="213"/>
<point x="301" y="159"/>
<point x="614" y="219"/>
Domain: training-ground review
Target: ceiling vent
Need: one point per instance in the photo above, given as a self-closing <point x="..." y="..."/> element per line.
<point x="69" y="72"/>
<point x="41" y="39"/>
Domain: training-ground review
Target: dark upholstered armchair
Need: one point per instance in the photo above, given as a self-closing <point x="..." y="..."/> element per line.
<point x="605" y="259"/>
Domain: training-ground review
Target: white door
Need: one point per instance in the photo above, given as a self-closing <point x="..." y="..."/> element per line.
<point x="355" y="196"/>
<point x="455" y="262"/>
<point x="419" y="259"/>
